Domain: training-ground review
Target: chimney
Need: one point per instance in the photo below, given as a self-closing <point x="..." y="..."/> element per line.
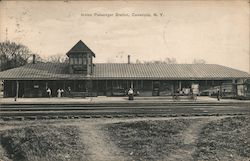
<point x="128" y="59"/>
<point x="34" y="59"/>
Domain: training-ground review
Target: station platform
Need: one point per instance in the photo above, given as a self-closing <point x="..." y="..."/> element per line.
<point x="121" y="100"/>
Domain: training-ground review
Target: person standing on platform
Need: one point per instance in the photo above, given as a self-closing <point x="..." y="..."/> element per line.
<point x="49" y="92"/>
<point x="62" y="92"/>
<point x="218" y="94"/>
<point x="130" y="94"/>
<point x="69" y="90"/>
<point x="59" y="92"/>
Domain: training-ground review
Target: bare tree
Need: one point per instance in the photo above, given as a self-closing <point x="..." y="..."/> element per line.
<point x="170" y="61"/>
<point x="199" y="61"/>
<point x="138" y="61"/>
<point x="13" y="55"/>
<point x="165" y="61"/>
<point x="58" y="58"/>
<point x="38" y="58"/>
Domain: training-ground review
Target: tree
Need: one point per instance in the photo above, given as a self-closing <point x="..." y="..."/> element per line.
<point x="58" y="58"/>
<point x="199" y="61"/>
<point x="38" y="58"/>
<point x="137" y="61"/>
<point x="170" y="61"/>
<point x="165" y="61"/>
<point x="13" y="55"/>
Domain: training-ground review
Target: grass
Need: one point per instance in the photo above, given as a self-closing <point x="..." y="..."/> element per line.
<point x="42" y="142"/>
<point x="148" y="140"/>
<point x="226" y="139"/>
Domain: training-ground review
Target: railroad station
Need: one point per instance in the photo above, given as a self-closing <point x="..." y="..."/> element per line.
<point x="80" y="77"/>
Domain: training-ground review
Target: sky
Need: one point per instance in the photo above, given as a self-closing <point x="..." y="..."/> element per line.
<point x="216" y="31"/>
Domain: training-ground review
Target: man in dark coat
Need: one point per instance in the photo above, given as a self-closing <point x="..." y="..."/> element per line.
<point x="218" y="94"/>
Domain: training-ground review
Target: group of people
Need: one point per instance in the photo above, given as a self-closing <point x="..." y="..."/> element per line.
<point x="60" y="92"/>
<point x="193" y="94"/>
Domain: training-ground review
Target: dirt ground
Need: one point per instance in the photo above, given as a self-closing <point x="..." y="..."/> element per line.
<point x="168" y="139"/>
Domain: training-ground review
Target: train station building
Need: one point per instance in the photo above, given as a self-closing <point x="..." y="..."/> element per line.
<point x="84" y="78"/>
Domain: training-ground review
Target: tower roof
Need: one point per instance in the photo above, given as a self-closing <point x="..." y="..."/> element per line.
<point x="80" y="47"/>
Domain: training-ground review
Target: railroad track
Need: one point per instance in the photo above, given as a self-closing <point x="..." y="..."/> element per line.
<point x="79" y="116"/>
<point x="89" y="116"/>
<point x="43" y="112"/>
<point x="125" y="104"/>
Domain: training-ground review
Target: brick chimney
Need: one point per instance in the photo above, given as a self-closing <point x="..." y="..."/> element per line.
<point x="128" y="59"/>
<point x="34" y="59"/>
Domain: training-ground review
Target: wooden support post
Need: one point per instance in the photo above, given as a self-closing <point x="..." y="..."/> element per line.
<point x="13" y="88"/>
<point x="179" y="85"/>
<point x="4" y="92"/>
<point x="97" y="87"/>
<point x="142" y="84"/>
<point x="172" y="87"/>
<point x="24" y="87"/>
<point x="112" y="87"/>
<point x="17" y="90"/>
<point x="5" y="89"/>
<point x="106" y="87"/>
<point x="74" y="87"/>
<point x="90" y="86"/>
<point x="64" y="87"/>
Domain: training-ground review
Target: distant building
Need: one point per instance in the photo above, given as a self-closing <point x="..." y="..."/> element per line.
<point x="84" y="78"/>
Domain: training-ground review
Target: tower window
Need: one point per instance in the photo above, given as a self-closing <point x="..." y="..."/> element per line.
<point x="71" y="61"/>
<point x="80" y="60"/>
<point x="75" y="61"/>
<point x="84" y="61"/>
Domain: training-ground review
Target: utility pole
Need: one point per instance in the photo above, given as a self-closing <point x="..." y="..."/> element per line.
<point x="6" y="39"/>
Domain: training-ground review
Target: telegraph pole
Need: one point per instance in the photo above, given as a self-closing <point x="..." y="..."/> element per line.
<point x="6" y="39"/>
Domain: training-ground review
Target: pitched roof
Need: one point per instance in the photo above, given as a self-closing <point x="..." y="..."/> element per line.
<point x="54" y="71"/>
<point x="80" y="47"/>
